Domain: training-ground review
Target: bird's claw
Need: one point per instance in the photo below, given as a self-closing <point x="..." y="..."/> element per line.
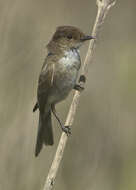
<point x="66" y="129"/>
<point x="79" y="87"/>
<point x="82" y="78"/>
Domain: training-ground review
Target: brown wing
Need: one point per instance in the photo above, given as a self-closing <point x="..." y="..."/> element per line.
<point x="45" y="82"/>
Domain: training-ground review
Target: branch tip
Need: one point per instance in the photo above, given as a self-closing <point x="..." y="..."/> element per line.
<point x="108" y="3"/>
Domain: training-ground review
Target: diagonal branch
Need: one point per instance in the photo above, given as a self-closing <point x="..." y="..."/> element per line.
<point x="103" y="8"/>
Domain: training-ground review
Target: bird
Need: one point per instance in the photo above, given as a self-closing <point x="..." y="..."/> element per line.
<point x="57" y="78"/>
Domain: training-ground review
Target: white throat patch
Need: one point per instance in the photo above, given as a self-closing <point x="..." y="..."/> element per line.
<point x="70" y="58"/>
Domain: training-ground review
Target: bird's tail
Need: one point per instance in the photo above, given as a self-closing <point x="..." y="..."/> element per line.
<point x="45" y="134"/>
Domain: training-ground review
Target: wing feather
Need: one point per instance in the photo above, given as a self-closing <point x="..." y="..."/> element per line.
<point x="45" y="82"/>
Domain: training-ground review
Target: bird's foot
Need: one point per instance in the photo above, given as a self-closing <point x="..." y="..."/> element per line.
<point x="66" y="129"/>
<point x="78" y="87"/>
<point x="82" y="78"/>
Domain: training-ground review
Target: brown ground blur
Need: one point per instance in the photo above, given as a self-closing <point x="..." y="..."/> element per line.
<point x="101" y="152"/>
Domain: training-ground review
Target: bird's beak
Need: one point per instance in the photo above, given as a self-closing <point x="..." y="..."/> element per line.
<point x="87" y="38"/>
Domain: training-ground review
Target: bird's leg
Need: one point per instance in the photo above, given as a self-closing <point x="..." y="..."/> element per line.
<point x="66" y="129"/>
<point x="35" y="107"/>
<point x="78" y="86"/>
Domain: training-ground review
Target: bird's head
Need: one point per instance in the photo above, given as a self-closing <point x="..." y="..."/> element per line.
<point x="67" y="37"/>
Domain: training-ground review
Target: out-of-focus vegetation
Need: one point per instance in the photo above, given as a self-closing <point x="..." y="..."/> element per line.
<point x="101" y="152"/>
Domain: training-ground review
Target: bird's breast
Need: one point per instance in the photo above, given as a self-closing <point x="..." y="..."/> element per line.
<point x="70" y="59"/>
<point x="65" y="76"/>
<point x="69" y="66"/>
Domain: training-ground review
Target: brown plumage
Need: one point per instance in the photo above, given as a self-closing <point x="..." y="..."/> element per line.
<point x="57" y="78"/>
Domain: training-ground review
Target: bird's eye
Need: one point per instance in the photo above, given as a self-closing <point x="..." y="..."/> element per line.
<point x="69" y="36"/>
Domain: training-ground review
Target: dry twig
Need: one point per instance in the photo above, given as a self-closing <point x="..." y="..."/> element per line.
<point x="103" y="8"/>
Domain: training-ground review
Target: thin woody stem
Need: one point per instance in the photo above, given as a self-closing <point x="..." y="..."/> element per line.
<point x="103" y="8"/>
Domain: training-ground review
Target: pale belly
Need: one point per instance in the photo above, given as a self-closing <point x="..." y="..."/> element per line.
<point x="63" y="85"/>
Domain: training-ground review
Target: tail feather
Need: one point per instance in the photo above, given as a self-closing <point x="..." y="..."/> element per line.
<point x="45" y="133"/>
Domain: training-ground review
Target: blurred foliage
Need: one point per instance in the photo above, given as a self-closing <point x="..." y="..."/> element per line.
<point x="100" y="153"/>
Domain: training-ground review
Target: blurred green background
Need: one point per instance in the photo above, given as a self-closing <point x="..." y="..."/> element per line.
<point x="101" y="152"/>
